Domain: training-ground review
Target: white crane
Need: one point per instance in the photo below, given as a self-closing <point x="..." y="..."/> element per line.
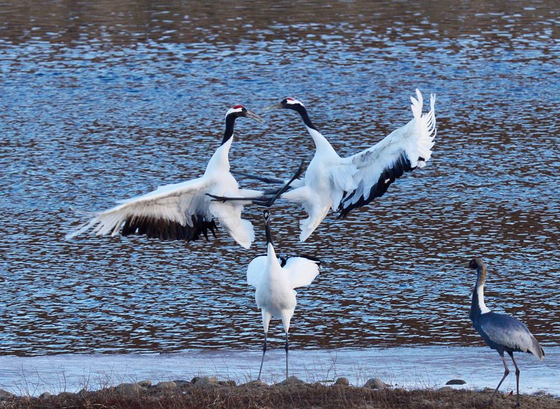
<point x="184" y="211"/>
<point x="342" y="184"/>
<point x="275" y="280"/>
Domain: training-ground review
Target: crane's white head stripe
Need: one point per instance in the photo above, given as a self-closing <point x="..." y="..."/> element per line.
<point x="291" y="101"/>
<point x="237" y="108"/>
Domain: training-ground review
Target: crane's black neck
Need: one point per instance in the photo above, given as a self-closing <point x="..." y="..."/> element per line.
<point x="300" y="109"/>
<point x="268" y="235"/>
<point x="230" y="124"/>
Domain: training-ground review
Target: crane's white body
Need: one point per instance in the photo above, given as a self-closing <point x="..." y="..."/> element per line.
<point x="181" y="202"/>
<point x="341" y="184"/>
<point x="274" y="284"/>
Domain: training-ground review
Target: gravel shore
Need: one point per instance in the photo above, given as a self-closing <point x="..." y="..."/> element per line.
<point x="201" y="392"/>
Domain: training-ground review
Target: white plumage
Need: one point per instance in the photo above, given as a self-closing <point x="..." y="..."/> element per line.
<point x="184" y="210"/>
<point x="275" y="284"/>
<point x="342" y="184"/>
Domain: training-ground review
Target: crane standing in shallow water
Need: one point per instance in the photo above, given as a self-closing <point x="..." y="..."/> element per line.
<point x="346" y="183"/>
<point x="275" y="280"/>
<point x="501" y="332"/>
<point x="184" y="211"/>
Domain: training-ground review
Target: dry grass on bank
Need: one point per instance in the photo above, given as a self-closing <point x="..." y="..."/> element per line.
<point x="258" y="395"/>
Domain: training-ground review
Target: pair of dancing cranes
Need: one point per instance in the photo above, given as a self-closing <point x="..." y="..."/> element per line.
<point x="189" y="210"/>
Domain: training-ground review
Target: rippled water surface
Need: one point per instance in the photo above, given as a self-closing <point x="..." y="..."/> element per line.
<point x="109" y="99"/>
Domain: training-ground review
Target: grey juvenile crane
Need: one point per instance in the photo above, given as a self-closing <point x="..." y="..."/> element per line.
<point x="501" y="332"/>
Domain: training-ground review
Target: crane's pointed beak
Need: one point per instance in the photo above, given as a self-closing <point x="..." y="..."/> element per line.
<point x="274" y="106"/>
<point x="252" y="115"/>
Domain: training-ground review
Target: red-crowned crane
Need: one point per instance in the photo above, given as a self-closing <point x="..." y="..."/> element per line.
<point x="500" y="332"/>
<point x="342" y="184"/>
<point x="275" y="279"/>
<point x="184" y="211"/>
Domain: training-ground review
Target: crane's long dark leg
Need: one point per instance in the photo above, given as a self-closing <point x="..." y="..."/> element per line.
<point x="262" y="360"/>
<point x="261" y="178"/>
<point x="506" y="373"/>
<point x="262" y="201"/>
<point x="286" y="347"/>
<point x="271" y="201"/>
<point x="517" y="372"/>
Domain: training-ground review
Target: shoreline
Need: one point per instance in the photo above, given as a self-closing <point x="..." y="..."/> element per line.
<point x="409" y="368"/>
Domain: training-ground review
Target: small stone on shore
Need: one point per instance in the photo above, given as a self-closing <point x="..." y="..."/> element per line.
<point x="181" y="383"/>
<point x="65" y="395"/>
<point x="456" y="382"/>
<point x="342" y="381"/>
<point x="204" y="381"/>
<point x="128" y="388"/>
<point x="145" y="384"/>
<point x="166" y="385"/>
<point x="292" y="380"/>
<point x="5" y="394"/>
<point x="375" y="383"/>
<point x="256" y="383"/>
<point x="540" y="393"/>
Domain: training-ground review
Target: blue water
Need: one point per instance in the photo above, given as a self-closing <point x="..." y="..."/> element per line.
<point x="107" y="100"/>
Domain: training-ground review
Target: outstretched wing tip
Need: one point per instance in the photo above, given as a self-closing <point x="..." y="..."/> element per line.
<point x="417" y="104"/>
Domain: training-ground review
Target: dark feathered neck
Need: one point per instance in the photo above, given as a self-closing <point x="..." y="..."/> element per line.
<point x="230" y="124"/>
<point x="268" y="235"/>
<point x="300" y="109"/>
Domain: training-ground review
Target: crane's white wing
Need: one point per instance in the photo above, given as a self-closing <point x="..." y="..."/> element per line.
<point x="374" y="169"/>
<point x="255" y="270"/>
<point x="176" y="211"/>
<point x="301" y="271"/>
<point x="316" y="208"/>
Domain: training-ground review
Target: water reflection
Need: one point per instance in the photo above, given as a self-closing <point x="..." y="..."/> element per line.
<point x="106" y="100"/>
